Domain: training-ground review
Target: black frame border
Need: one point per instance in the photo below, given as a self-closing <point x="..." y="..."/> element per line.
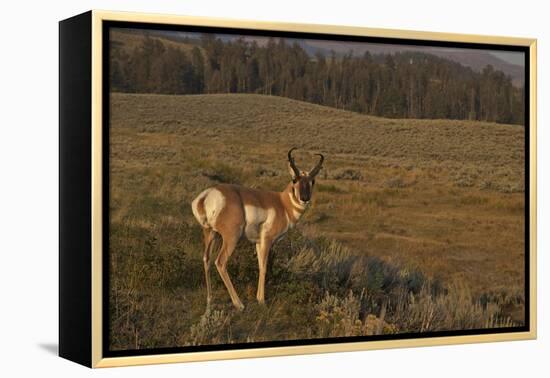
<point x="106" y="25"/>
<point x="75" y="180"/>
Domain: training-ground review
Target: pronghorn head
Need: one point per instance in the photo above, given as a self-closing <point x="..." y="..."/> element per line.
<point x="302" y="181"/>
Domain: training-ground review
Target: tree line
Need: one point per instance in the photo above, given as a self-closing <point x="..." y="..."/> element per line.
<point x="400" y="85"/>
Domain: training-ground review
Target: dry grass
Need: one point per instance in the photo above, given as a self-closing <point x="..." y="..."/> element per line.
<point x="418" y="224"/>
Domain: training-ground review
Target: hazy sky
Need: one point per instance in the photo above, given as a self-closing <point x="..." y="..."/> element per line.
<point x="511" y="57"/>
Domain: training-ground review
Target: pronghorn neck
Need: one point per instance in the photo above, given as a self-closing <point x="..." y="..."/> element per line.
<point x="293" y="207"/>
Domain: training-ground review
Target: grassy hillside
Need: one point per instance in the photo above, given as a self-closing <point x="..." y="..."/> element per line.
<point x="409" y="217"/>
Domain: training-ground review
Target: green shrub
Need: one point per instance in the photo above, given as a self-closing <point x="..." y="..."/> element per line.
<point x="329" y="188"/>
<point x="224" y="173"/>
<point x="346" y="174"/>
<point x="209" y="329"/>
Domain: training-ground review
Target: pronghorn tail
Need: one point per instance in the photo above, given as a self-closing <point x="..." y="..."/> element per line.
<point x="199" y="210"/>
<point x="207" y="206"/>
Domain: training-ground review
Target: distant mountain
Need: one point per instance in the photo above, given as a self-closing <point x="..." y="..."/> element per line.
<point x="475" y="59"/>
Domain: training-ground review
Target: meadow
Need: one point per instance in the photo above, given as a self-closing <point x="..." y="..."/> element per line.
<point x="415" y="225"/>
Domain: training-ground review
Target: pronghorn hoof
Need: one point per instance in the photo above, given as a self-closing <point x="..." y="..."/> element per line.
<point x="239" y="306"/>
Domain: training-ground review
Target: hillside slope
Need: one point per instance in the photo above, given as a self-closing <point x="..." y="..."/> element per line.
<point x="476" y="154"/>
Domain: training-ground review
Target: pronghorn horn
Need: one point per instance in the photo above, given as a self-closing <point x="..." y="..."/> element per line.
<point x="318" y="167"/>
<point x="292" y="163"/>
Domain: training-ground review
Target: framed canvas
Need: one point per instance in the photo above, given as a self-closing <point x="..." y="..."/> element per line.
<point x="235" y="189"/>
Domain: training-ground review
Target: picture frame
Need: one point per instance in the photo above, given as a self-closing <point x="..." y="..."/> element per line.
<point x="86" y="113"/>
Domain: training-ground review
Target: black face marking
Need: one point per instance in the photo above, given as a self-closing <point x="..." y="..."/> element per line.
<point x="304" y="188"/>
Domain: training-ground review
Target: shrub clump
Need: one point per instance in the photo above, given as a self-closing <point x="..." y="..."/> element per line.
<point x="224" y="173"/>
<point x="347" y="174"/>
<point x="209" y="329"/>
<point x="342" y="316"/>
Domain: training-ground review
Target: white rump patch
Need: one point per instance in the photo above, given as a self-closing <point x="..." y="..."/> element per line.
<point x="201" y="218"/>
<point x="213" y="205"/>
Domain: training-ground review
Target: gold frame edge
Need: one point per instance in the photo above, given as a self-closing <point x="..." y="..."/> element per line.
<point x="310" y="28"/>
<point x="97" y="196"/>
<point x="533" y="187"/>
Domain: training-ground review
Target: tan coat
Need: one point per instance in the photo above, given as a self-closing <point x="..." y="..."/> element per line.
<point x="231" y="211"/>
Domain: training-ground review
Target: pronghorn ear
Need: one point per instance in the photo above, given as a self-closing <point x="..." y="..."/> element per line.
<point x="292" y="174"/>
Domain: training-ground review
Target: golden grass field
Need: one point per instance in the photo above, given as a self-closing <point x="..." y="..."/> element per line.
<point x="415" y="225"/>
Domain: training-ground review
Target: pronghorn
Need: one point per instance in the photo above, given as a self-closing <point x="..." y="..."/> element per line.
<point x="262" y="216"/>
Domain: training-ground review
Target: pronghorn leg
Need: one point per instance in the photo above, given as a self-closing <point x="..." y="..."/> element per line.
<point x="228" y="246"/>
<point x="209" y="237"/>
<point x="262" y="249"/>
